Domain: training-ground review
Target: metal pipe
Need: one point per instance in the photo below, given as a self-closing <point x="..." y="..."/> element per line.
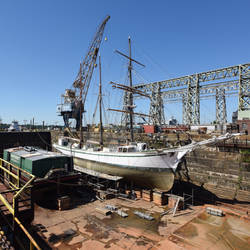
<point x="7" y="204"/>
<point x="9" y="172"/>
<point x="27" y="233"/>
<point x="26" y="185"/>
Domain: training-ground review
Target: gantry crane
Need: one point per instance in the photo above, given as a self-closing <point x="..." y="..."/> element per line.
<point x="72" y="106"/>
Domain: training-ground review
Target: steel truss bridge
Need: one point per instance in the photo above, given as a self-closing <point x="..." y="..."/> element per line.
<point x="190" y="89"/>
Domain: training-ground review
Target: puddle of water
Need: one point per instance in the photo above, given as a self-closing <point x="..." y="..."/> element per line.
<point x="134" y="221"/>
<point x="188" y="231"/>
<point x="99" y="226"/>
<point x="217" y="230"/>
<point x="65" y="236"/>
<point x="205" y="218"/>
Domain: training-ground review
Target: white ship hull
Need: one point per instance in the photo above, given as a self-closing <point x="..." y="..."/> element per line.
<point x="148" y="168"/>
<point x="151" y="169"/>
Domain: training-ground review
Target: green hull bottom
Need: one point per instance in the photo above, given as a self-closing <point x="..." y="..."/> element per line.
<point x="162" y="180"/>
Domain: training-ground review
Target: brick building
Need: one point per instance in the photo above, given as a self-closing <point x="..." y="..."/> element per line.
<point x="244" y="120"/>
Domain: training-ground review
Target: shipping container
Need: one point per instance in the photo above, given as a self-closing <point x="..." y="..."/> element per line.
<point x="149" y="129"/>
<point x="37" y="161"/>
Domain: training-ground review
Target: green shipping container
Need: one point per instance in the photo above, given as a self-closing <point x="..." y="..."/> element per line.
<point x="36" y="161"/>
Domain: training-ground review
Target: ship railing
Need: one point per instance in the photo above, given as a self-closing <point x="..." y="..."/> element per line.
<point x="235" y="143"/>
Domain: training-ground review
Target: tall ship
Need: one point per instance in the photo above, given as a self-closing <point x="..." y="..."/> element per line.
<point x="135" y="161"/>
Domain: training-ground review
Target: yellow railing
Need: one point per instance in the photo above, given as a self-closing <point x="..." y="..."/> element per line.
<point x="15" y="172"/>
<point x="12" y="175"/>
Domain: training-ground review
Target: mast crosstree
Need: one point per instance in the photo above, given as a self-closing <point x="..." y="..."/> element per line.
<point x="128" y="104"/>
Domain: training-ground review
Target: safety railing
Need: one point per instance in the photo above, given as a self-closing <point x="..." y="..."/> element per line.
<point x="19" y="181"/>
<point x="235" y="143"/>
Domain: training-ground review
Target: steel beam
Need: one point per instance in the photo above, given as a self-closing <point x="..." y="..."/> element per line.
<point x="156" y="110"/>
<point x="190" y="89"/>
<point x="184" y="107"/>
<point x="244" y="87"/>
<point x="221" y="113"/>
<point x="212" y="75"/>
<point x="193" y="101"/>
<point x="209" y="89"/>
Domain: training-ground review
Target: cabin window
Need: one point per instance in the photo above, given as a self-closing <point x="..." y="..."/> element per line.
<point x="131" y="149"/>
<point x="124" y="150"/>
<point x="119" y="149"/>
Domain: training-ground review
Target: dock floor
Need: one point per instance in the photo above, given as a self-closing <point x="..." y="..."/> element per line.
<point x="83" y="227"/>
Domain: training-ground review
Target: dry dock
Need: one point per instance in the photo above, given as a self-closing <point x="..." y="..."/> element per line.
<point x="78" y="220"/>
<point x="84" y="227"/>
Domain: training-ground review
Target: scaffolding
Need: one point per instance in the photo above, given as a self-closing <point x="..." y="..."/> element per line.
<point x="103" y="184"/>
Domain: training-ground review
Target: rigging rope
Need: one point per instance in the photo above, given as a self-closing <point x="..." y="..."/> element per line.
<point x="151" y="60"/>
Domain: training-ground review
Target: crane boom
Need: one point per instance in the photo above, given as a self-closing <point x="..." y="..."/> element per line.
<point x="74" y="100"/>
<point x="87" y="66"/>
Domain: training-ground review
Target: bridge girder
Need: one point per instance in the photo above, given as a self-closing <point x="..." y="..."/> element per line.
<point x="190" y="89"/>
<point x="221" y="114"/>
<point x="244" y="87"/>
<point x="156" y="110"/>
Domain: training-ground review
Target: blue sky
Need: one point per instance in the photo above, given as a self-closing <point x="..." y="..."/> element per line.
<point x="43" y="42"/>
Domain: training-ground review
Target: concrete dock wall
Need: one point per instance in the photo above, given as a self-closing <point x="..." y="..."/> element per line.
<point x="222" y="173"/>
<point x="16" y="139"/>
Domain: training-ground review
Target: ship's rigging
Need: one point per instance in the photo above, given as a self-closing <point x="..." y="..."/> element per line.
<point x="128" y="105"/>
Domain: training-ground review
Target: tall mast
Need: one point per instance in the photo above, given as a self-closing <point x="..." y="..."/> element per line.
<point x="81" y="132"/>
<point x="130" y="93"/>
<point x="129" y="89"/>
<point x="81" y="108"/>
<point x="100" y="102"/>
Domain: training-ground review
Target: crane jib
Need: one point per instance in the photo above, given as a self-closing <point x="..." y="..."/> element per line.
<point x="72" y="105"/>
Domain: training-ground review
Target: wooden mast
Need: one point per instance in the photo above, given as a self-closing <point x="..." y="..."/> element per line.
<point x="129" y="89"/>
<point x="130" y="93"/>
<point x="81" y="106"/>
<point x="100" y="102"/>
